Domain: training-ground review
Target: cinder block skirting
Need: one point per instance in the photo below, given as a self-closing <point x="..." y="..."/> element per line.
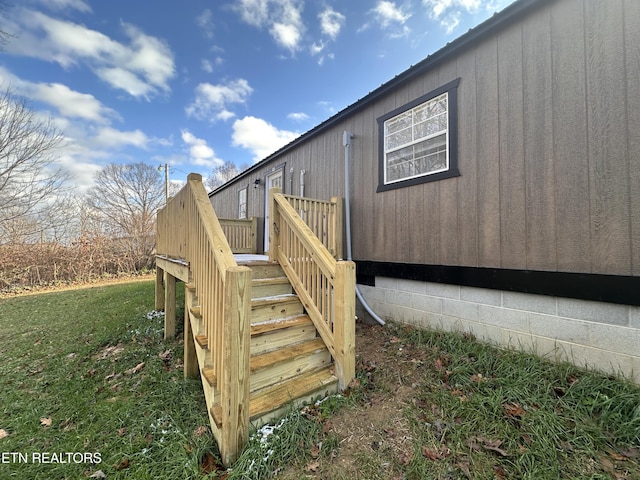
<point x="589" y="334"/>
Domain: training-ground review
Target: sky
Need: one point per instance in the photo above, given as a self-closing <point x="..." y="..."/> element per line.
<point x="196" y="83"/>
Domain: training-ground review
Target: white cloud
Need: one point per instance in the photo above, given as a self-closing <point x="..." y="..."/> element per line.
<point x="205" y="22"/>
<point x="206" y="65"/>
<point x="79" y="5"/>
<point x="282" y="18"/>
<point x="259" y="136"/>
<point x="388" y="14"/>
<point x="142" y="67"/>
<point x="448" y="12"/>
<point x="212" y="102"/>
<point x="298" y="116"/>
<point x="108" y="137"/>
<point x="286" y="34"/>
<point x="199" y="152"/>
<point x="331" y="22"/>
<point x="71" y="103"/>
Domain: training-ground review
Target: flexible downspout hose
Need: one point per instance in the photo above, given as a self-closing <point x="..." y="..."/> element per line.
<point x="346" y="141"/>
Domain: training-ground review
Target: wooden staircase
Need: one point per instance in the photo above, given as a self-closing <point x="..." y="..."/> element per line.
<point x="289" y="362"/>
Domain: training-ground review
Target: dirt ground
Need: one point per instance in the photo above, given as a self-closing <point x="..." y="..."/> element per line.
<point x="378" y="429"/>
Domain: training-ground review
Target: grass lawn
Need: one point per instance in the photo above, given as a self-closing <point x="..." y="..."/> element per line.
<point x="88" y="372"/>
<point x="86" y="375"/>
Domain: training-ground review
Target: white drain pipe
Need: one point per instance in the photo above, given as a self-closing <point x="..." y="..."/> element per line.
<point x="346" y="141"/>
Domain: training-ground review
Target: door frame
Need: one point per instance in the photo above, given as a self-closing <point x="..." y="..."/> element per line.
<point x="277" y="171"/>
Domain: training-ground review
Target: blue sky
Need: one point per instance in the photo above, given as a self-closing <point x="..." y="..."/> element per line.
<point x="199" y="82"/>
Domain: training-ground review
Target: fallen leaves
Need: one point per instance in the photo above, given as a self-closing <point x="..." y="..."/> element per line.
<point x="513" y="410"/>
<point x="3" y="433"/>
<point x="209" y="464"/>
<point x="122" y="464"/>
<point x="138" y="368"/>
<point x="479" y="443"/>
<point x="45" y="422"/>
<point x="436" y="453"/>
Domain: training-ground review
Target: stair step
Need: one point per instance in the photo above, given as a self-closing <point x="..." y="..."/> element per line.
<point x="278" y="365"/>
<point x="190" y="286"/>
<point x="271" y="308"/>
<point x="264" y="269"/>
<point x="268" y="287"/>
<point x="272" y="398"/>
<point x="279" y="333"/>
<point x="289" y="361"/>
<point x="196" y="311"/>
<point x="210" y="376"/>
<point x="202" y="340"/>
<point x="292" y="352"/>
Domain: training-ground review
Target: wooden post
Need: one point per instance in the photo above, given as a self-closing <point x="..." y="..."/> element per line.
<point x="274" y="224"/>
<point x="234" y="397"/>
<point x="190" y="358"/>
<point x="159" y="289"/>
<point x="169" y="306"/>
<point x="344" y="326"/>
<point x="338" y="227"/>
<point x="254" y="235"/>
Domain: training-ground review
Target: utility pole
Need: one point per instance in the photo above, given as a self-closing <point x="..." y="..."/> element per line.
<point x="165" y="167"/>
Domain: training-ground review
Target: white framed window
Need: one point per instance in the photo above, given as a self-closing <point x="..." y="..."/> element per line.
<point x="418" y="140"/>
<point x="242" y="203"/>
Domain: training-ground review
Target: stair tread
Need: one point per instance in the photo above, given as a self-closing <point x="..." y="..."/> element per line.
<point x="282" y="298"/>
<point x="269" y="280"/>
<point x="280" y="323"/>
<point x="268" y="359"/>
<point x="273" y="397"/>
<point x="202" y="340"/>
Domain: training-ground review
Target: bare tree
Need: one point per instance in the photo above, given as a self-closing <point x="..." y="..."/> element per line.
<point x="31" y="181"/>
<point x="222" y="174"/>
<point x="126" y="199"/>
<point x="4" y="35"/>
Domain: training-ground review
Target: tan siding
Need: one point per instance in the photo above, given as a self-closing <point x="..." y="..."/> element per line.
<point x="538" y="127"/>
<point x="608" y="164"/>
<point x="512" y="168"/>
<point x="570" y="137"/>
<point x="488" y="155"/>
<point x="448" y="194"/>
<point x="632" y="57"/>
<point x="467" y="161"/>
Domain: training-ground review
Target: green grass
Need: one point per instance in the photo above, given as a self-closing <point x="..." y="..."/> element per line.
<point x="65" y="356"/>
<point x="551" y="420"/>
<point x="478" y="412"/>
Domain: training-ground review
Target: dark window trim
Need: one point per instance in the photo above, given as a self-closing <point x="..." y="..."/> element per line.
<point x="452" y="89"/>
<point x="618" y="289"/>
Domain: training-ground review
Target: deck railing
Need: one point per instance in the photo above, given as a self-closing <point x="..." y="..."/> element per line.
<point x="324" y="218"/>
<point x="325" y="286"/>
<point x="242" y="234"/>
<point x="188" y="229"/>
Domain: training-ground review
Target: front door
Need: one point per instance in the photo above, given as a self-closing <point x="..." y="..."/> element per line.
<point x="273" y="180"/>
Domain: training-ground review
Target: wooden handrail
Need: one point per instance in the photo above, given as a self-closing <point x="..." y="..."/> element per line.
<point x="326" y="287"/>
<point x="324" y="218"/>
<point x="188" y="229"/>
